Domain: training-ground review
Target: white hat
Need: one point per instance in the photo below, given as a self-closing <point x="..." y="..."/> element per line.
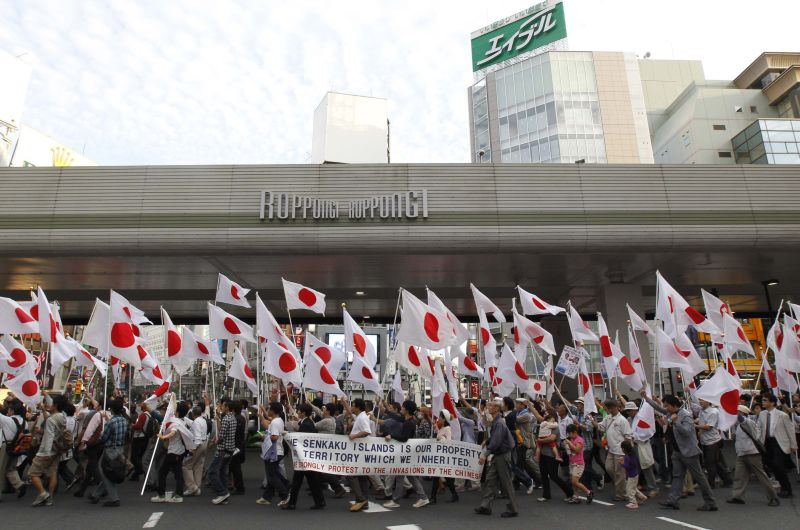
<point x="446" y="415"/>
<point x="579" y="400"/>
<point x="520" y="400"/>
<point x="630" y="405"/>
<point x="744" y="410"/>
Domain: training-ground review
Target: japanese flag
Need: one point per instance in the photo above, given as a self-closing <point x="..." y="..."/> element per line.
<point x="784" y="378"/>
<point x="196" y="347"/>
<point x="424" y="326"/>
<point x="444" y="401"/>
<point x="361" y="372"/>
<point x="625" y="367"/>
<point x="47" y="324"/>
<point x="14" y="358"/>
<point x="269" y="329"/>
<point x="333" y="358"/>
<point x="356" y="341"/>
<point x="672" y="304"/>
<point x="230" y="292"/>
<point x="644" y="423"/>
<point x="318" y="377"/>
<point x="680" y="354"/>
<point x="414" y="360"/>
<point x="537" y="387"/>
<point x="162" y="389"/>
<point x="24" y="386"/>
<point x="398" y="394"/>
<point x="734" y="336"/>
<point x="533" y="305"/>
<point x="459" y="330"/>
<point x="775" y="336"/>
<point x="500" y="384"/>
<point x="636" y="357"/>
<point x="549" y="374"/>
<point x="60" y="352"/>
<point x="223" y="325"/>
<point x="638" y="323"/>
<point x="483" y="303"/>
<point x="716" y="309"/>
<point x="526" y="331"/>
<point x="172" y="337"/>
<point x="172" y="423"/>
<point x="585" y="388"/>
<point x="283" y="364"/>
<point x="788" y="356"/>
<point x="488" y="342"/>
<point x="769" y="374"/>
<point x="241" y="371"/>
<point x="728" y="360"/>
<point x="722" y="390"/>
<point x="609" y="359"/>
<point x="302" y="297"/>
<point x="510" y="369"/>
<point x="579" y="329"/>
<point x="15" y="319"/>
<point x="86" y="359"/>
<point x="468" y="367"/>
<point x="96" y="331"/>
<point x="122" y="339"/>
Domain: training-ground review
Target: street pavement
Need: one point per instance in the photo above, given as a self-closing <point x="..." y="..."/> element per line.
<point x="197" y="513"/>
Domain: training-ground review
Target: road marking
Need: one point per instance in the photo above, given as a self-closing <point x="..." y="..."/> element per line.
<point x="595" y="501"/>
<point x="373" y="507"/>
<point x="681" y="523"/>
<point x="153" y="521"/>
<point x="404" y="527"/>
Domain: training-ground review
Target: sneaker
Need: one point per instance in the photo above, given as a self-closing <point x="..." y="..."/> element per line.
<point x="263" y="501"/>
<point x="220" y="499"/>
<point x="542" y="499"/>
<point x="530" y="488"/>
<point x="589" y="497"/>
<point x="573" y="500"/>
<point x="390" y="504"/>
<point x="158" y="499"/>
<point x="175" y="499"/>
<point x="632" y="506"/>
<point x="358" y="506"/>
<point x="602" y="483"/>
<point x="420" y="503"/>
<point x="41" y="500"/>
<point x="283" y="503"/>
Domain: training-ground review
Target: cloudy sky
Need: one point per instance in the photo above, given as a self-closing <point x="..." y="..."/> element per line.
<point x="202" y="82"/>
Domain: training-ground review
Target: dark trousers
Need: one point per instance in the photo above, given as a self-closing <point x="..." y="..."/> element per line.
<point x="712" y="458"/>
<point x="778" y="463"/>
<point x="449" y="482"/>
<point x="236" y="471"/>
<point x="138" y="448"/>
<point x="589" y="473"/>
<point x="360" y="486"/>
<point x="218" y="473"/>
<point x="173" y="463"/>
<point x="688" y="464"/>
<point x="92" y="474"/>
<point x="549" y="469"/>
<point x="275" y="480"/>
<point x="518" y="468"/>
<point x="312" y="478"/>
<point x="498" y="476"/>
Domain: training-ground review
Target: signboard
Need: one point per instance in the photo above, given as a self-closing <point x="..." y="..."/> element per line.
<point x="521" y="37"/>
<point x="568" y="362"/>
<point x="339" y="455"/>
<point x="285" y="206"/>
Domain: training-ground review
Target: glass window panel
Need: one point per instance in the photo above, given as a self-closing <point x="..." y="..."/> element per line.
<point x="513" y="130"/>
<point x="528" y="81"/>
<point x="501" y="94"/>
<point x="785" y="158"/>
<point x="778" y="125"/>
<point x="525" y="154"/>
<point x="535" y="153"/>
<point x="504" y="133"/>
<point x="752" y="129"/>
<point x="555" y="150"/>
<point x="547" y="79"/>
<point x="780" y="136"/>
<point x="519" y="96"/>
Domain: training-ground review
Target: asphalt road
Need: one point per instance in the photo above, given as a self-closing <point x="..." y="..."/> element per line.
<point x="197" y="513"/>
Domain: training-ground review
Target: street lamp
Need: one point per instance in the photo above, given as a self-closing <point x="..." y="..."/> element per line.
<point x="767" y="284"/>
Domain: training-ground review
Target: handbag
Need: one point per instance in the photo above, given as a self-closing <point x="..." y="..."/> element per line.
<point x="759" y="446"/>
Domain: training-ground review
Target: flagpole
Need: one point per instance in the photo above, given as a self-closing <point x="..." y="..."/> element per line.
<point x="152" y="457"/>
<point x="393" y="343"/>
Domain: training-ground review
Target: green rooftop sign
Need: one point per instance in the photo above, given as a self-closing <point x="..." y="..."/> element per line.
<point x="519" y="37"/>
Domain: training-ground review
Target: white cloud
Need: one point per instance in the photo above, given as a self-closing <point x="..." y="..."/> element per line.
<point x="197" y="82"/>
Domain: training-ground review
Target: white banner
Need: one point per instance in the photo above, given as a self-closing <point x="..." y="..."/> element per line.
<point x="568" y="362"/>
<point x="338" y="455"/>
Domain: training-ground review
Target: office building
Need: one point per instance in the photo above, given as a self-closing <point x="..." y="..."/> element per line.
<point x="350" y="129"/>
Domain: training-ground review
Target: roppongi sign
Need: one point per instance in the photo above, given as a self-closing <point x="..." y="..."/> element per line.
<point x="523" y="34"/>
<point x="284" y="206"/>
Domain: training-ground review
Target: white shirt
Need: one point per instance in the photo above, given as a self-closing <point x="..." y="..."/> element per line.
<point x="361" y="424"/>
<point x="562" y="426"/>
<point x="276" y="428"/>
<point x="709" y="416"/>
<point x="199" y="430"/>
<point x="8" y="429"/>
<point x="617" y="429"/>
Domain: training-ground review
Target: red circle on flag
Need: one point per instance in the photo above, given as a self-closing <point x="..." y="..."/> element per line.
<point x="741" y="334"/>
<point x="537" y="386"/>
<point x="324" y="354"/>
<point x="30" y="388"/>
<point x="135" y="330"/>
<point x="325" y="375"/>
<point x="235" y="293"/>
<point x="157" y="372"/>
<point x="202" y="348"/>
<point x="142" y="353"/>
<point x="642" y="424"/>
<point x="34" y="312"/>
<point x="127" y="311"/>
<point x="470" y="364"/>
<point x="173" y="343"/>
<point x="695" y="315"/>
<point x="485" y="336"/>
<point x="248" y="372"/>
<point x="605" y="346"/>
<point x="516" y="335"/>
<point x="729" y="401"/>
<point x="161" y="389"/>
<point x="539" y="304"/>
<point x="122" y="335"/>
<point x="520" y="371"/>
<point x="431" y="325"/>
<point x="22" y="316"/>
<point x="307" y="297"/>
<point x="366" y="372"/>
<point x="231" y="326"/>
<point x="584" y="381"/>
<point x="18" y="358"/>
<point x="114" y="361"/>
<point x="430" y="363"/>
<point x="359" y="344"/>
<point x="625" y="366"/>
<point x="412" y="356"/>
<point x="287" y="362"/>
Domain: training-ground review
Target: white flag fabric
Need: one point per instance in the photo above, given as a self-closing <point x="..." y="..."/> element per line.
<point x="172" y="423"/>
<point x="230" y="292"/>
<point x="510" y="369"/>
<point x="361" y="372"/>
<point x="715" y="308"/>
<point x="283" y="364"/>
<point x="670" y="303"/>
<point x="585" y="388"/>
<point x="14" y="358"/>
<point x="468" y="367"/>
<point x="172" y="337"/>
<point x="86" y="359"/>
<point x="302" y="297"/>
<point x="332" y="357"/>
<point x="680" y="354"/>
<point x="625" y="367"/>
<point x="195" y="347"/>
<point x="638" y="323"/>
<point x="665" y="307"/>
<point x="223" y="325"/>
<point x="722" y="390"/>
<point x="317" y="377"/>
<point x="533" y="305"/>
<point x="356" y="341"/>
<point x="152" y="373"/>
<point x="47" y="324"/>
<point x="414" y="360"/>
<point x="15" y="319"/>
<point x="788" y="356"/>
<point x="775" y="336"/>
<point x="785" y="379"/>
<point x="769" y="374"/>
<point x="162" y="389"/>
<point x="526" y="331"/>
<point x="459" y="330"/>
<point x="25" y="386"/>
<point x="550" y="376"/>
<point x="398" y="393"/>
<point x="644" y="423"/>
<point x="241" y="371"/>
<point x="537" y="387"/>
<point x="96" y="331"/>
<point x="424" y="326"/>
<point x="487" y="340"/>
<point x="728" y="362"/>
<point x="483" y="303"/>
<point x="734" y="336"/>
<point x="636" y="357"/>
<point x="122" y="340"/>
<point x="609" y="359"/>
<point x="60" y="351"/>
<point x="580" y="329"/>
<point x="269" y="329"/>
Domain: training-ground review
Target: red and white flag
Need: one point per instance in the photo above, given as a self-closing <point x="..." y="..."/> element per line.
<point x="356" y="341"/>
<point x="162" y="389"/>
<point x="47" y="324"/>
<point x="333" y="358"/>
<point x="122" y="339"/>
<point x="728" y="361"/>
<point x="488" y="342"/>
<point x="398" y="394"/>
<point x="241" y="371"/>
<point x="414" y="360"/>
<point x="283" y="364"/>
<point x="674" y="308"/>
<point x="361" y="372"/>
<point x="230" y="292"/>
<point x="788" y="356"/>
<point x="468" y="367"/>
<point x="715" y="308"/>
<point x="268" y="329"/>
<point x="527" y="331"/>
<point x="60" y="352"/>
<point x="638" y="323"/>
<point x="625" y="367"/>
<point x="13" y="356"/>
<point x="459" y="330"/>
<point x="25" y="386"/>
<point x="636" y="357"/>
<point x="85" y="359"/>
<point x="172" y="423"/>
<point x="96" y="331"/>
<point x="585" y="388"/>
<point x="609" y="359"/>
<point x="769" y="374"/>
<point x="784" y="377"/>
<point x="734" y="336"/>
<point x="302" y="297"/>
<point x="318" y="377"/>
<point x="580" y="329"/>
<point x="775" y="336"/>
<point x="172" y="337"/>
<point x="15" y="319"/>
<point x="722" y="390"/>
<point x="533" y="305"/>
<point x="510" y="369"/>
<point x="195" y="347"/>
<point x="680" y="354"/>
<point x="644" y="423"/>
<point x="223" y="325"/>
<point x="483" y="303"/>
<point x="549" y="374"/>
<point x="424" y="326"/>
<point x="443" y="401"/>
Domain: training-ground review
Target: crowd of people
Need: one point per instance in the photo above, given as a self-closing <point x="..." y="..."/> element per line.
<point x="527" y="447"/>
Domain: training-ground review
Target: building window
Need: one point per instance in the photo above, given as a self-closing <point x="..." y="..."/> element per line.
<point x="718" y="127"/>
<point x="738" y="108"/>
<point x="724" y="154"/>
<point x="753" y="109"/>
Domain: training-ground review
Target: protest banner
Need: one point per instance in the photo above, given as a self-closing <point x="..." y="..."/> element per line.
<point x="338" y="455"/>
<point x="568" y="362"/>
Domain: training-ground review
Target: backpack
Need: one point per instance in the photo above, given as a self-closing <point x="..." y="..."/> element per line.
<point x="64" y="440"/>
<point x="151" y="426"/>
<point x="114" y="470"/>
<point x="22" y="441"/>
